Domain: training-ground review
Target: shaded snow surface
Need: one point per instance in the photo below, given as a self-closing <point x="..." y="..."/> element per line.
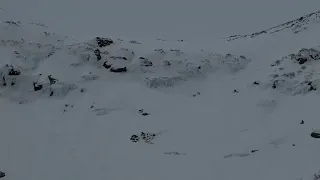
<point x="120" y="109"/>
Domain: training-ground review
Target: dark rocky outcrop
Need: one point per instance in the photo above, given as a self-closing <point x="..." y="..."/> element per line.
<point x="2" y="174"/>
<point x="118" y="70"/>
<point x="103" y="42"/>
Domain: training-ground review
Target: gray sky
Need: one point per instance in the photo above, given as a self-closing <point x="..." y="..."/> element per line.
<point x="176" y="19"/>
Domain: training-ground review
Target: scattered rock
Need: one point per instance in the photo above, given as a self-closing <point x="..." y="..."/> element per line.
<point x="102" y="42"/>
<point x="145" y="137"/>
<point x="134" y="42"/>
<point x="135" y="138"/>
<point x="148" y="137"/>
<point x="141" y="111"/>
<point x="196" y="94"/>
<point x="98" y="54"/>
<point x="145" y="114"/>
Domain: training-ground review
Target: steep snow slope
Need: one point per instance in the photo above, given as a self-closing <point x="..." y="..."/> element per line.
<point x="208" y="111"/>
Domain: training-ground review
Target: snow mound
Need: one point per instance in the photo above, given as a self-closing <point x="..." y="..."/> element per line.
<point x="160" y="68"/>
<point x="296" y="26"/>
<point x="23" y="87"/>
<point x="26" y="45"/>
<point x="296" y="73"/>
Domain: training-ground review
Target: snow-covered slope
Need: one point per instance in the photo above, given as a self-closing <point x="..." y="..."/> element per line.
<point x="117" y="108"/>
<point x="296" y="26"/>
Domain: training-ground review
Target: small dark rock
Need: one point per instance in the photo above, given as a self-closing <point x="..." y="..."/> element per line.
<point x="235" y="91"/>
<point x="2" y="174"/>
<point x="293" y="145"/>
<point x="51" y="93"/>
<point x="311" y="88"/>
<point x="255" y="150"/>
<point x="166" y="63"/>
<point x="52" y="80"/>
<point x="146" y="63"/>
<point x="274" y="85"/>
<point x="134" y="42"/>
<point x="302" y="122"/>
<point x="256" y="83"/>
<point x="14" y="72"/>
<point x="145" y="114"/>
<point x="118" y="70"/>
<point x="315" y="134"/>
<point x="82" y="90"/>
<point x="107" y="66"/>
<point x="289" y="75"/>
<point x="134" y="138"/>
<point x="302" y="60"/>
<point x="140" y="110"/>
<point x="98" y="54"/>
<point x="36" y="87"/>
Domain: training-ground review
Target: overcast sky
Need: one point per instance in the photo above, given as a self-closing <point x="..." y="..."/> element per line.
<point x="176" y="19"/>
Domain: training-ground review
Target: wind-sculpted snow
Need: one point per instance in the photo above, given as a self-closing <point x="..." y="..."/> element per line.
<point x="160" y="68"/>
<point x="29" y="47"/>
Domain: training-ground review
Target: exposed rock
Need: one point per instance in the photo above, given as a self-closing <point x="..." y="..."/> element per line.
<point x="256" y="82"/>
<point x="118" y="70"/>
<point x="52" y="80"/>
<point x="315" y="134"/>
<point x="102" y="42"/>
<point x="135" y="138"/>
<point x="37" y="87"/>
<point x="145" y="62"/>
<point x="2" y="174"/>
<point x="107" y="66"/>
<point x="98" y="54"/>
<point x="174" y="153"/>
